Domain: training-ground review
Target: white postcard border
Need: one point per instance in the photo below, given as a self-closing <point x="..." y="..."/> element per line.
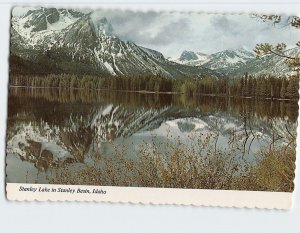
<point x="116" y="194"/>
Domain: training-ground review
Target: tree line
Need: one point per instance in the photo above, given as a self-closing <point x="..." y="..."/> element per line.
<point x="21" y="99"/>
<point x="264" y="86"/>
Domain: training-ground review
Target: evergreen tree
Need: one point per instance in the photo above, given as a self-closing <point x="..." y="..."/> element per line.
<point x="292" y="90"/>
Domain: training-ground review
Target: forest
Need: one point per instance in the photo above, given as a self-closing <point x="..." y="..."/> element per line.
<point x="261" y="87"/>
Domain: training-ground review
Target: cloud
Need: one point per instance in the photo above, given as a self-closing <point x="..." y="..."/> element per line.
<point x="172" y="32"/>
<point x="129" y="25"/>
<point x="224" y="25"/>
<point x="150" y="29"/>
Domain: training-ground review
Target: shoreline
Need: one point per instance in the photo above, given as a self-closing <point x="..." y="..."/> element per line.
<point x="156" y="92"/>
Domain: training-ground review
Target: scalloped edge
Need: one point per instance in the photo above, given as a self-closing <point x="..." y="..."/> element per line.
<point x="155" y="196"/>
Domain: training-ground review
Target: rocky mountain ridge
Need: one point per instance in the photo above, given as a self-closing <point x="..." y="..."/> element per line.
<point x="66" y="41"/>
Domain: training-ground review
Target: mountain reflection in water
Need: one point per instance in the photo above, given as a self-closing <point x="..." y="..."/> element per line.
<point x="51" y="128"/>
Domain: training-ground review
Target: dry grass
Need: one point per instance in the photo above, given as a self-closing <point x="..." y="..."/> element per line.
<point x="275" y="171"/>
<point x="183" y="167"/>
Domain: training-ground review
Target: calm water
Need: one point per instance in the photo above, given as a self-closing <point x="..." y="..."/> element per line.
<point x="48" y="128"/>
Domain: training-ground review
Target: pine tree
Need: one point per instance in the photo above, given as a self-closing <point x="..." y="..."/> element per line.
<point x="293" y="88"/>
<point x="283" y="89"/>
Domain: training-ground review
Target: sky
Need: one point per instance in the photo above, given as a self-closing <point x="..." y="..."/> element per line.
<point x="173" y="32"/>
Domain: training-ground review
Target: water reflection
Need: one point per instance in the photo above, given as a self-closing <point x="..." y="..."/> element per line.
<point x="52" y="128"/>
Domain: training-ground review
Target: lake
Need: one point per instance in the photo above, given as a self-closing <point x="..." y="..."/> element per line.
<point x="50" y="131"/>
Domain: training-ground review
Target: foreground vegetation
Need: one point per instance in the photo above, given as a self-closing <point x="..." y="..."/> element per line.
<point x="265" y="86"/>
<point x="203" y="166"/>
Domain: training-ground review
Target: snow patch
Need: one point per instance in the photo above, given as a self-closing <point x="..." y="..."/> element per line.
<point x="107" y="110"/>
<point x="109" y="68"/>
<point x="49" y="140"/>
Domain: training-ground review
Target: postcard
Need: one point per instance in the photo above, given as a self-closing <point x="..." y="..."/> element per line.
<point x="186" y="108"/>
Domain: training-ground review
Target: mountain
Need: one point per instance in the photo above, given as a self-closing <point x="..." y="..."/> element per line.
<point x="229" y="60"/>
<point x="50" y="40"/>
<point x="239" y="61"/>
<point x="192" y="58"/>
<point x="268" y="64"/>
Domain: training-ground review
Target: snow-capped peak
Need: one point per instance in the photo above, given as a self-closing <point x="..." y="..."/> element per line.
<point x="230" y="59"/>
<point x="41" y="20"/>
<point x="191" y="58"/>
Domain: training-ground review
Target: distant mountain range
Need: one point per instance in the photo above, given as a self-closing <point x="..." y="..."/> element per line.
<point x="51" y="40"/>
<point x="236" y="62"/>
